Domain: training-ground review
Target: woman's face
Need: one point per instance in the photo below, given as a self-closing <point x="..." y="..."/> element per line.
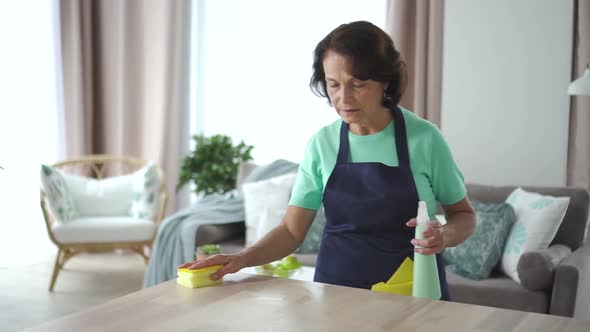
<point x="357" y="102"/>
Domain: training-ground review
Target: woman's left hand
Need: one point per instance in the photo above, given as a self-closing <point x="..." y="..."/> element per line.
<point x="433" y="241"/>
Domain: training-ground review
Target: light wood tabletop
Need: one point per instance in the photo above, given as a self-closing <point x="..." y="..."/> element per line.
<point x="247" y="302"/>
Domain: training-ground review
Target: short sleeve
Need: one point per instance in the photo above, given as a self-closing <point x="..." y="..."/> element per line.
<point x="308" y="188"/>
<point x="447" y="181"/>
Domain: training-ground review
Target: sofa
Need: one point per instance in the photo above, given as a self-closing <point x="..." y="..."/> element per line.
<point x="567" y="294"/>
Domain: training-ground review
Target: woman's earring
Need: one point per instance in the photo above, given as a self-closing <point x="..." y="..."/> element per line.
<point x="385" y="96"/>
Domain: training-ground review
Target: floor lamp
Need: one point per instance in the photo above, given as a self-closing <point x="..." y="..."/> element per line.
<point x="581" y="86"/>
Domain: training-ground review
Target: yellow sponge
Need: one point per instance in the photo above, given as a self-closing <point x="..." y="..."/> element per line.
<point x="198" y="278"/>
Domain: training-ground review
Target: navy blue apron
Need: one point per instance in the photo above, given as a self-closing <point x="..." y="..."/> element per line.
<point x="367" y="205"/>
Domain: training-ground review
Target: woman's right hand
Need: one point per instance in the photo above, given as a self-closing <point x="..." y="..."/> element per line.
<point x="231" y="264"/>
<point x="278" y="243"/>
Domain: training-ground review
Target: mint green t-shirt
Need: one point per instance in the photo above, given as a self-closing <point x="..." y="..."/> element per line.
<point x="436" y="175"/>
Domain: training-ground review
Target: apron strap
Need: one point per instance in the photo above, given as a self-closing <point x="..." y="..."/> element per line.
<point x="401" y="142"/>
<point x="344" y="146"/>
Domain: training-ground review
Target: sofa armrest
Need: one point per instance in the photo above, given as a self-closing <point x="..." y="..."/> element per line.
<point x="536" y="269"/>
<point x="571" y="287"/>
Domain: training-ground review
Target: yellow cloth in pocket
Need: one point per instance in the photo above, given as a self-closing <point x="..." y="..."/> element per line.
<point x="401" y="282"/>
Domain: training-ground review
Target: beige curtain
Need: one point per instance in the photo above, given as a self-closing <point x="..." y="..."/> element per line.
<point x="417" y="31"/>
<point x="578" y="164"/>
<point x="125" y="70"/>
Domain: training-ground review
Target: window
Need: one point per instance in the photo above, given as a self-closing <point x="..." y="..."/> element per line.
<point x="251" y="64"/>
<point x="29" y="125"/>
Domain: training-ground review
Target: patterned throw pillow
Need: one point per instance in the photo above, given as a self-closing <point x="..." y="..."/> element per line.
<point x="476" y="257"/>
<point x="311" y="243"/>
<point x="61" y="203"/>
<point x="146" y="189"/>
<point x="538" y="218"/>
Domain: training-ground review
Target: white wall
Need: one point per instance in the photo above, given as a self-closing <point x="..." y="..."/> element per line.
<point x="505" y="111"/>
<point x="253" y="63"/>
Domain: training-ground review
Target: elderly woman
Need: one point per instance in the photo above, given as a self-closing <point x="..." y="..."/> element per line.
<point x="369" y="169"/>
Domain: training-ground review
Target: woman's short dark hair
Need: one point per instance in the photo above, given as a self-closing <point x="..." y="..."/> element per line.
<point x="372" y="54"/>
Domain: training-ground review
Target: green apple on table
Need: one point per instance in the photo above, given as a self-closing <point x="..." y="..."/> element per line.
<point x="282" y="269"/>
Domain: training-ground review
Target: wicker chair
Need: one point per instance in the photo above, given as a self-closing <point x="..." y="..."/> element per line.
<point x="100" y="167"/>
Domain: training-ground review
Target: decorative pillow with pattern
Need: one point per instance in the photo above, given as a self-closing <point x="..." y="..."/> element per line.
<point x="60" y="200"/>
<point x="146" y="189"/>
<point x="538" y="218"/>
<point x="480" y="253"/>
<point x="313" y="238"/>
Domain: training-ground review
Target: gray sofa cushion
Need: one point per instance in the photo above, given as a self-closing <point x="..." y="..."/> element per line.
<point x="497" y="291"/>
<point x="536" y="268"/>
<point x="573" y="227"/>
<point x="233" y="246"/>
<point x="209" y="234"/>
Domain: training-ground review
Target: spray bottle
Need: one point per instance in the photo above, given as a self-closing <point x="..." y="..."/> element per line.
<point x="426" y="279"/>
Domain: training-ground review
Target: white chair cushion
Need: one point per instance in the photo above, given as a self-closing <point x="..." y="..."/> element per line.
<point x="104" y="229"/>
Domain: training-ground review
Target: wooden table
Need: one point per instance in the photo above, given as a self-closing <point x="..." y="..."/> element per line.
<point x="247" y="302"/>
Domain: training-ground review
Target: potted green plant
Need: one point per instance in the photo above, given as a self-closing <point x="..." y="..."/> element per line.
<point x="213" y="164"/>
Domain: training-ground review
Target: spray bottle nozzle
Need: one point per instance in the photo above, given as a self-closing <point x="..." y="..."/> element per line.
<point x="422" y="215"/>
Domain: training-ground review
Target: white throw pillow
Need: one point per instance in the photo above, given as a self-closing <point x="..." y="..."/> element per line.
<point x="538" y="218"/>
<point x="268" y="200"/>
<point x="101" y="198"/>
<point x="269" y="219"/>
<point x="134" y="194"/>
